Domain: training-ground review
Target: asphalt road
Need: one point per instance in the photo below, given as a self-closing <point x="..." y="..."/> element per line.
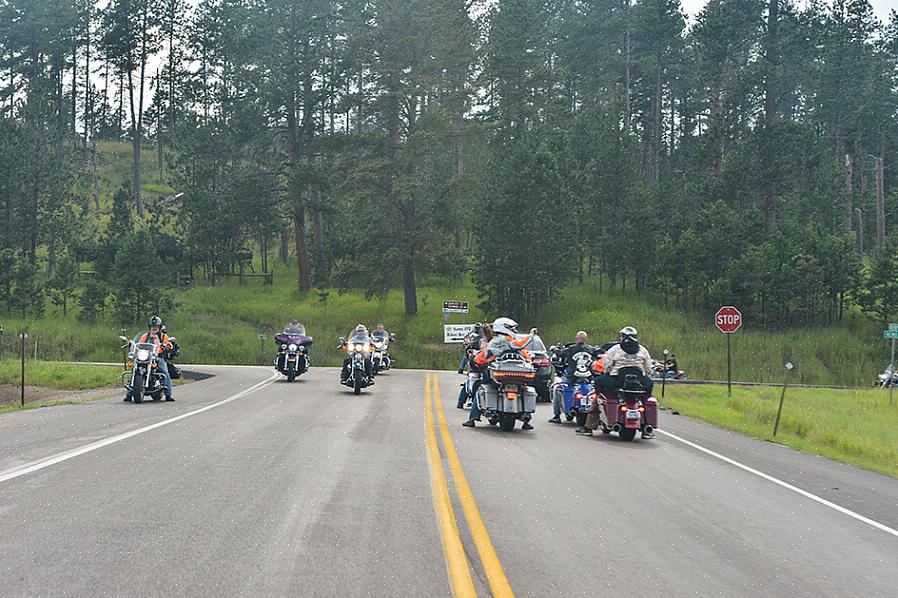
<point x="264" y="488"/>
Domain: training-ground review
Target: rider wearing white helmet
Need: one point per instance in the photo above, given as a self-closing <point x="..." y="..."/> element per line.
<point x="503" y="341"/>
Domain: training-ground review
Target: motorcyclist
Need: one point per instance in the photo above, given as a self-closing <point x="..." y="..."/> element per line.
<point x="672" y="367"/>
<point x="295" y="328"/>
<point x="503" y="341"/>
<point x="474" y="342"/>
<point x="169" y="355"/>
<point x="576" y="354"/>
<point x="628" y="353"/>
<point x="156" y="336"/>
<point x="359" y="334"/>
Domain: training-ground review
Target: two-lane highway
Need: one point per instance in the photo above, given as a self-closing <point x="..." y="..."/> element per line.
<point x="249" y="486"/>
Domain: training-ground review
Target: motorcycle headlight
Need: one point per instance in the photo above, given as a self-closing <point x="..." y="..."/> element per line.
<point x="283" y="346"/>
<point x="378" y="345"/>
<point x="292" y="347"/>
<point x="143" y="355"/>
<point x="358" y="347"/>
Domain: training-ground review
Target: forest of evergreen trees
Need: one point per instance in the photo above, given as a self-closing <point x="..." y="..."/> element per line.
<point x="748" y="157"/>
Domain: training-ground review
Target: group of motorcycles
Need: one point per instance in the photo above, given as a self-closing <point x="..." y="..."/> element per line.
<point x="368" y="355"/>
<point x="509" y="390"/>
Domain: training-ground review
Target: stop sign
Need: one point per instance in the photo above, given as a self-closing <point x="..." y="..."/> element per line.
<point x="728" y="319"/>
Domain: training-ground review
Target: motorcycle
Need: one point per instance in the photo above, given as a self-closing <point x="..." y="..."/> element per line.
<point x="472" y="379"/>
<point x="574" y="390"/>
<point x="887" y="378"/>
<point x="631" y="410"/>
<point x="359" y="350"/>
<point x="659" y="371"/>
<point x="380" y="355"/>
<point x="144" y="379"/>
<point x="293" y="352"/>
<point x="509" y="396"/>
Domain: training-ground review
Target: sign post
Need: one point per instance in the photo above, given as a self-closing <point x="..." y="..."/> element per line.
<point x="891" y="334"/>
<point x="664" y="372"/>
<point x="23" y="335"/>
<point x="728" y="320"/>
<point x="779" y="411"/>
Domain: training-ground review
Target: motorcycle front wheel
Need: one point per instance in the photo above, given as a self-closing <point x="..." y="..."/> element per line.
<point x="357" y="385"/>
<point x="137" y="392"/>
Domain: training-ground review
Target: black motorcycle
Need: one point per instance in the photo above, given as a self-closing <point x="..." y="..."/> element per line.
<point x="144" y="379"/>
<point x="359" y="369"/>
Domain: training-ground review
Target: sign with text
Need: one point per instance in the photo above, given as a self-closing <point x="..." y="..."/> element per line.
<point x="728" y="319"/>
<point x="455" y="307"/>
<point x="456" y="333"/>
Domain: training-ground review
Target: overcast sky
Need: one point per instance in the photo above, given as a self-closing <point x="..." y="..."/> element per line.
<point x="880" y="7"/>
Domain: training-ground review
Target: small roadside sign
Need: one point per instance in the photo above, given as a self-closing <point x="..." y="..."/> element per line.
<point x="455" y="307"/>
<point x="456" y="333"/>
<point x="893" y="326"/>
<point x="893" y="334"/>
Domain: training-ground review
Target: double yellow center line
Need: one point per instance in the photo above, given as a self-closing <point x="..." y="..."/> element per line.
<point x="456" y="561"/>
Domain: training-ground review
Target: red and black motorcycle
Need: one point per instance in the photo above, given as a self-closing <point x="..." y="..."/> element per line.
<point x="630" y="410"/>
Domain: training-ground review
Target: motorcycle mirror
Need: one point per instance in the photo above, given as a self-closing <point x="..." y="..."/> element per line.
<point x="392" y="336"/>
<point x="124" y="338"/>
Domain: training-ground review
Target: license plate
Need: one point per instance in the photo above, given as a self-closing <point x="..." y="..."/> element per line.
<point x="633" y="418"/>
<point x="584" y="402"/>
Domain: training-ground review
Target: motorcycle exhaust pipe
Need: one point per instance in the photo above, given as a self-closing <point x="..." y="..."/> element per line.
<point x="616" y="427"/>
<point x="648" y="429"/>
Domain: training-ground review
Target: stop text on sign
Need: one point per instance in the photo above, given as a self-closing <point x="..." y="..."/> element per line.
<point x="728" y="319"/>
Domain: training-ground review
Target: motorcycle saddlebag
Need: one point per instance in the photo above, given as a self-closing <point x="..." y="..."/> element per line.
<point x="174" y="372"/>
<point x="489" y="397"/>
<point x="529" y="399"/>
<point x="651" y="411"/>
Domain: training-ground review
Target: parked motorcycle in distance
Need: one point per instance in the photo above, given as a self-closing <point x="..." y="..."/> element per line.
<point x="293" y="351"/>
<point x="631" y="410"/>
<point x="887" y="378"/>
<point x="659" y="371"/>
<point x="144" y="379"/>
<point x="359" y="350"/>
<point x="509" y="397"/>
<point x="380" y="354"/>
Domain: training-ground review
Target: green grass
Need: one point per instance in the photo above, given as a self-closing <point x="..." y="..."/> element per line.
<point x="61" y="376"/>
<point x="852" y="426"/>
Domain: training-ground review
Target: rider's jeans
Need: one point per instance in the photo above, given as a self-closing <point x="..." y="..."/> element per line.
<point x="162" y="366"/>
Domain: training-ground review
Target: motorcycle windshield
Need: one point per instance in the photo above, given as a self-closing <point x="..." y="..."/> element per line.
<point x="535" y="345"/>
<point x="359" y="339"/>
<point x="295" y="330"/>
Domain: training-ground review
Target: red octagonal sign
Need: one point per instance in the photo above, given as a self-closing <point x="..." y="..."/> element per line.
<point x="728" y="319"/>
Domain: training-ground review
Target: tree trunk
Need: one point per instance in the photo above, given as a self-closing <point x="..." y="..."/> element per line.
<point x="849" y="177"/>
<point x="302" y="255"/>
<point x="410" y="291"/>
<point x="880" y="208"/>
<point x="770" y="87"/>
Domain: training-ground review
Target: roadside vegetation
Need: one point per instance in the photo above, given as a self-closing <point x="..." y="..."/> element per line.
<point x="857" y="427"/>
<point x="59" y="376"/>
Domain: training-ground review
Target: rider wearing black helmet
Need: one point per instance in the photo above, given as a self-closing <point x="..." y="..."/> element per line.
<point x="157" y="336"/>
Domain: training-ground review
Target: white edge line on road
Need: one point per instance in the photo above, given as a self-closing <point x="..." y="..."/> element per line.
<point x="70" y="454"/>
<point x="785" y="485"/>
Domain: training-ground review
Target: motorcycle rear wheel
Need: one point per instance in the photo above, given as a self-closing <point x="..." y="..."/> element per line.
<point x="507" y="422"/>
<point x="581" y="419"/>
<point x="627" y="434"/>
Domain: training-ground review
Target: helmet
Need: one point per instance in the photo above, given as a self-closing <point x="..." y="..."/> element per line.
<point x="628" y="331"/>
<point x="361" y="328"/>
<point x="155" y="321"/>
<point x="505" y="326"/>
